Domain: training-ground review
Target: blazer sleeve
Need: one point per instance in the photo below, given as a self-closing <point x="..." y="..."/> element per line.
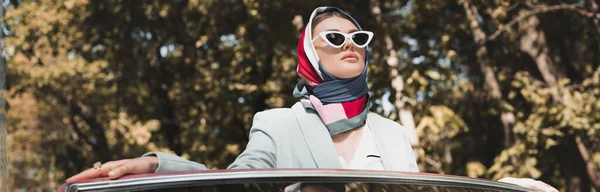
<point x="169" y="163"/>
<point x="259" y="152"/>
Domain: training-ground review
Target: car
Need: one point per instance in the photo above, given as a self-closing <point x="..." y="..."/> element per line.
<point x="291" y="180"/>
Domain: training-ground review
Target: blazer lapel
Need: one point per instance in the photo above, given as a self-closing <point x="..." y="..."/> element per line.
<point x="317" y="138"/>
<point x="387" y="144"/>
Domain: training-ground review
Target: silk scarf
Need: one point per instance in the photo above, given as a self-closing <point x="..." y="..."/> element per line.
<point x="342" y="104"/>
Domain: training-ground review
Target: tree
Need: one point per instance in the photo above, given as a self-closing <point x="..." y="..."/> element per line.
<point x="492" y="88"/>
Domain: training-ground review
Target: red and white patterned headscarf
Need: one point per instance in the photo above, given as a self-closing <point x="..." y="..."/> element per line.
<point x="342" y="104"/>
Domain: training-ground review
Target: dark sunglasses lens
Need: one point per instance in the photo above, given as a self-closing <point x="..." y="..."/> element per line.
<point x="336" y="39"/>
<point x="360" y="38"/>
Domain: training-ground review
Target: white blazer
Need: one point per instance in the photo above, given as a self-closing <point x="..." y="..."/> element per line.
<point x="297" y="138"/>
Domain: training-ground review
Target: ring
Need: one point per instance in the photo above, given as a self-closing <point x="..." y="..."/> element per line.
<point x="97" y="166"/>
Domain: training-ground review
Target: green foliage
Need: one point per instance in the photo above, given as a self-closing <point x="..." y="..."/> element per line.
<point x="100" y="80"/>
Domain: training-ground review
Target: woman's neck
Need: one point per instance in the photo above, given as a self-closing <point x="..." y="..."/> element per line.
<point x="347" y="142"/>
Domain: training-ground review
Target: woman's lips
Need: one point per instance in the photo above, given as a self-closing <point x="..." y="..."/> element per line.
<point x="350" y="57"/>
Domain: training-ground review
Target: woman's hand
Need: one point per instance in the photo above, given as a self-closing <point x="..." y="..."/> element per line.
<point x="116" y="169"/>
<point x="529" y="183"/>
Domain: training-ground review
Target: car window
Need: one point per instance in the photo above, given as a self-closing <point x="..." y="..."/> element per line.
<point x="318" y="187"/>
<point x="297" y="180"/>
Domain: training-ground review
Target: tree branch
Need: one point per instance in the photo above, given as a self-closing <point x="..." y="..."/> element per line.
<point x="533" y="43"/>
<point x="485" y="65"/>
<point x="590" y="167"/>
<point x="571" y="7"/>
<point x="100" y="146"/>
<point x="78" y="130"/>
<point x="90" y="119"/>
<point x="435" y="164"/>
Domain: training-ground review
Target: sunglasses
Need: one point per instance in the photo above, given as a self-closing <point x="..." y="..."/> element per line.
<point x="337" y="39"/>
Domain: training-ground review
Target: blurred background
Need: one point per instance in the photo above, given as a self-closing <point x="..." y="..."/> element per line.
<point x="489" y="89"/>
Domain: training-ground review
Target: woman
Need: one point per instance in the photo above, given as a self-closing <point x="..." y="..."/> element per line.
<point x="330" y="126"/>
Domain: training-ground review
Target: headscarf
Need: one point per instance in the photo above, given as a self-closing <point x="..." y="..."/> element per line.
<point x="342" y="104"/>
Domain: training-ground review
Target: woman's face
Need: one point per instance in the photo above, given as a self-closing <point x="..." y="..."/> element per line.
<point x="345" y="62"/>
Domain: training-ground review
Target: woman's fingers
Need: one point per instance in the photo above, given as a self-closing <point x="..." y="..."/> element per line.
<point x="116" y="169"/>
<point x="87" y="174"/>
<point x="119" y="171"/>
<point x="529" y="183"/>
<point x="135" y="166"/>
<point x="109" y="166"/>
<point x="94" y="173"/>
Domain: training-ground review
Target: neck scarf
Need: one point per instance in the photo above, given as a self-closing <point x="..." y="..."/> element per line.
<point x="342" y="104"/>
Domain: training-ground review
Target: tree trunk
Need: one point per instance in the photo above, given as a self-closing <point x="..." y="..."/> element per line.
<point x="594" y="6"/>
<point x="572" y="166"/>
<point x="99" y="142"/>
<point x="166" y="110"/>
<point x="590" y="167"/>
<point x="169" y="122"/>
<point x="534" y="44"/>
<point x="3" y="132"/>
<point x="485" y="65"/>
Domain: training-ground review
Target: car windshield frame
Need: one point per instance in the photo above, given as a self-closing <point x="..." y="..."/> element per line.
<point x="212" y="177"/>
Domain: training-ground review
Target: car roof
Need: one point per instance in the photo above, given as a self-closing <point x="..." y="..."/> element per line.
<point x="208" y="177"/>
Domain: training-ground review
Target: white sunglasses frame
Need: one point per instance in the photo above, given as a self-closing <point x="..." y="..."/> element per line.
<point x="323" y="34"/>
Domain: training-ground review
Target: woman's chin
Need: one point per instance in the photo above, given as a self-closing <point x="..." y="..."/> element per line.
<point x="350" y="72"/>
<point x="354" y="66"/>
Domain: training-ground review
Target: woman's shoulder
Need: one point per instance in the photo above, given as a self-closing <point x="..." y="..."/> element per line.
<point x="276" y="113"/>
<point x="283" y="113"/>
<point x="274" y="118"/>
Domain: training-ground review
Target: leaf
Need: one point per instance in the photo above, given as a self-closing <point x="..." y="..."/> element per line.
<point x="550" y="143"/>
<point x="433" y="75"/>
<point x="475" y="169"/>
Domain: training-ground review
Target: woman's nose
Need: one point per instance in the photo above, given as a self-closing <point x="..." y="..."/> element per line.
<point x="348" y="45"/>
